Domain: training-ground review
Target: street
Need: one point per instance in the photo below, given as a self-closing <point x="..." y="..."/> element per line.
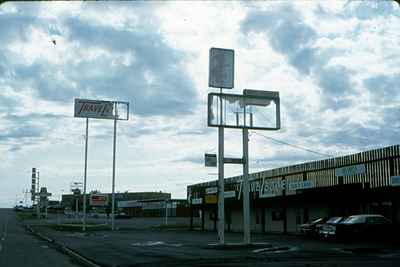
<point x="18" y="247"/>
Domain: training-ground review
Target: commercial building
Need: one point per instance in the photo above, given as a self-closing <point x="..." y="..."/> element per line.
<point x="282" y="199"/>
<point x="69" y="200"/>
<point x="155" y="207"/>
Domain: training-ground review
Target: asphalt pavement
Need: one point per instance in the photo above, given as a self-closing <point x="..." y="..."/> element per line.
<point x="18" y="247"/>
<point x="164" y="247"/>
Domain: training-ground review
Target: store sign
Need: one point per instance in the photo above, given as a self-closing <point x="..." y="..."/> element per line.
<point x="96" y="109"/>
<point x="211" y="199"/>
<point x="210" y="160"/>
<point x="98" y="200"/>
<point x="292" y="186"/>
<point x="211" y="190"/>
<point x="229" y="194"/>
<point x="395" y="180"/>
<point x="350" y="170"/>
<point x="197" y="201"/>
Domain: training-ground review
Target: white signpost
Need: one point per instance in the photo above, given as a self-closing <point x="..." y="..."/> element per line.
<point x="99" y="109"/>
<point x="236" y="111"/>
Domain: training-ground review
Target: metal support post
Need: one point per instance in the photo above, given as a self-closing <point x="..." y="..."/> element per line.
<point x="166" y="212"/>
<point x="246" y="197"/>
<point x="113" y="178"/>
<point x="38" y="198"/>
<point x="85" y="175"/>
<point x="221" y="208"/>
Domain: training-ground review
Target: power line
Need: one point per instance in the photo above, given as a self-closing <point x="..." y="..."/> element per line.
<point x="295" y="146"/>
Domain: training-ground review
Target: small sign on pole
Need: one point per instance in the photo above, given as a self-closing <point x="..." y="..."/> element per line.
<point x="210" y="160"/>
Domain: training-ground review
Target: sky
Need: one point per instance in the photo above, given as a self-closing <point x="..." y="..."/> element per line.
<point x="336" y="66"/>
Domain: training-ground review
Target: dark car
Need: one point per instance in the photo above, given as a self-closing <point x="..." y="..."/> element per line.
<point x="365" y="226"/>
<point x="328" y="229"/>
<point x="310" y="228"/>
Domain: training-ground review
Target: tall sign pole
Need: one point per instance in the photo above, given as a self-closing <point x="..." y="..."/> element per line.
<point x="113" y="178"/>
<point x="100" y="109"/>
<point x="221" y="200"/>
<point x="246" y="197"/>
<point x="85" y="175"/>
<point x="221" y="75"/>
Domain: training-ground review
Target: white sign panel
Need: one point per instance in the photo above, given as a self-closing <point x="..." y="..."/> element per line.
<point x="210" y="160"/>
<point x="292" y="186"/>
<point x="211" y="190"/>
<point x="96" y="109"/>
<point x="395" y="180"/>
<point x="350" y="170"/>
<point x="229" y="194"/>
<point x="221" y="69"/>
<point x="197" y="201"/>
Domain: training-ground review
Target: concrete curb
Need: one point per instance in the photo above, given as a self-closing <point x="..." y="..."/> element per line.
<point x="64" y="249"/>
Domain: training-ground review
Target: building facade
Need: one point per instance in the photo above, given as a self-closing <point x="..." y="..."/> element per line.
<point x="282" y="199"/>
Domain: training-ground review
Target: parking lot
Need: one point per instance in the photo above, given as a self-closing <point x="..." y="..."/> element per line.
<point x="138" y="245"/>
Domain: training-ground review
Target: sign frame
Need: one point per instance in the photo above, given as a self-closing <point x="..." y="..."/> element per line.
<point x="221" y="68"/>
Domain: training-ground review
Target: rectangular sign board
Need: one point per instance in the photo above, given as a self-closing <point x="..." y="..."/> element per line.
<point x="96" y="109"/>
<point x="210" y="160"/>
<point x="211" y="190"/>
<point x="350" y="170"/>
<point x="221" y="68"/>
<point x="395" y="181"/>
<point x="197" y="201"/>
<point x="229" y="194"/>
<point x="292" y="186"/>
<point x="98" y="200"/>
<point x="211" y="199"/>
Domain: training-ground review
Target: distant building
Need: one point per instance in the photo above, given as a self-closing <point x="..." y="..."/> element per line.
<point x="69" y="200"/>
<point x="155" y="207"/>
<point x="282" y="199"/>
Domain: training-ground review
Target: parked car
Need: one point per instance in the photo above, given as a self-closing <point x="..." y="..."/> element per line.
<point x="365" y="226"/>
<point x="310" y="228"/>
<point x="328" y="229"/>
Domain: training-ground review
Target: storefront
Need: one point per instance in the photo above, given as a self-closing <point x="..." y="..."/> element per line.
<point x="284" y="198"/>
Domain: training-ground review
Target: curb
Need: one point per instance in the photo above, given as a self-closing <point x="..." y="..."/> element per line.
<point x="64" y="249"/>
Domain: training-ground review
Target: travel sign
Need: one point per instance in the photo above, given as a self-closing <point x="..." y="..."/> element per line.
<point x="96" y="109"/>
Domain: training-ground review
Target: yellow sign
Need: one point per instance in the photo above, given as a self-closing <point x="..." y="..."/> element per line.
<point x="211" y="199"/>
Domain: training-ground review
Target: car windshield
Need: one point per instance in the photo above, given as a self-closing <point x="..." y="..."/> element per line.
<point x="354" y="219"/>
<point x="334" y="219"/>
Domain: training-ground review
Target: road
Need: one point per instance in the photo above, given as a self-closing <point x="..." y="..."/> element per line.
<point x="18" y="247"/>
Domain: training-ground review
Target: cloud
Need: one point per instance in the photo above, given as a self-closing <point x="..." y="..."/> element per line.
<point x="384" y="88"/>
<point x="365" y="10"/>
<point x="131" y="63"/>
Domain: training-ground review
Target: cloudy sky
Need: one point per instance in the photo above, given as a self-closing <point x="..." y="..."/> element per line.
<point x="335" y="64"/>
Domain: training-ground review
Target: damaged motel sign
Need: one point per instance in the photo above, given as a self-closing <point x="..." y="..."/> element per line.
<point x="97" y="109"/>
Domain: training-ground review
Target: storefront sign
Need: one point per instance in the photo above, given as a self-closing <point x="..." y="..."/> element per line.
<point x="395" y="180"/>
<point x="292" y="186"/>
<point x="211" y="199"/>
<point x="229" y="194"/>
<point x="197" y="201"/>
<point x="211" y="190"/>
<point x="350" y="170"/>
<point x="98" y="200"/>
